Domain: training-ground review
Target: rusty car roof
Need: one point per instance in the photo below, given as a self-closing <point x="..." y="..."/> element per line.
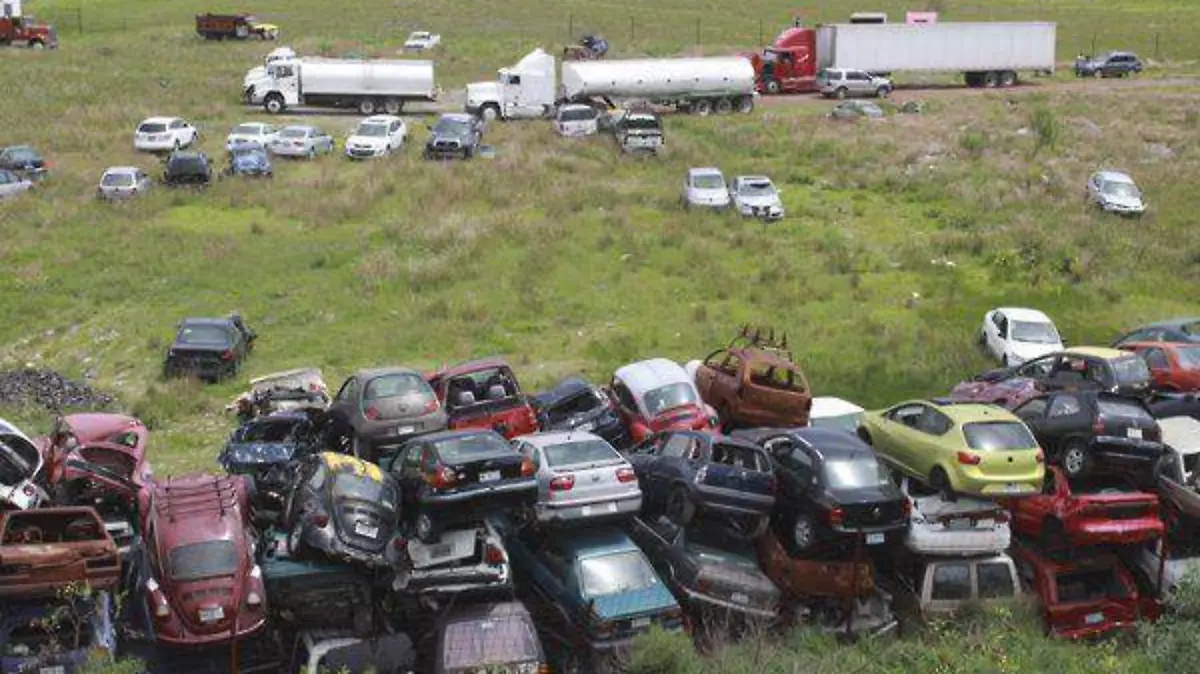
<point x="197" y="508"/>
<point x="470" y="366"/>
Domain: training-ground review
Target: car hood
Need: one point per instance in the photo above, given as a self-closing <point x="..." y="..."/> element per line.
<point x="443" y="137"/>
<point x="625" y="604"/>
<point x="479" y="93"/>
<point x="684" y="416"/>
<point x="1024" y="351"/>
<point x="759" y="201"/>
<point x="250" y="163"/>
<point x="1122" y="202"/>
<point x="188" y="598"/>
<point x="712" y="196"/>
<point x="367" y="141"/>
<point x="257" y="453"/>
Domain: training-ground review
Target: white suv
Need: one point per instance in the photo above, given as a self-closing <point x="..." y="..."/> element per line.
<point x="163" y="134"/>
<point x="843" y="82"/>
<point x="376" y="136"/>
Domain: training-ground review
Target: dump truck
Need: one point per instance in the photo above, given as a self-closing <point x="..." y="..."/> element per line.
<point x="987" y="54"/>
<point x="533" y="87"/>
<point x="234" y="27"/>
<point x="369" y="86"/>
<point x="17" y="29"/>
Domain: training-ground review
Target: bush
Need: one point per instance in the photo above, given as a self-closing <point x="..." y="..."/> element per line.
<point x="1045" y="129"/>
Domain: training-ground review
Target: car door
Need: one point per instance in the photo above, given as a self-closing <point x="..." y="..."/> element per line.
<point x="417" y="459"/>
<point x="395" y="138"/>
<point x="997" y="334"/>
<point x="859" y="83"/>
<point x="1066" y="414"/>
<point x="1031" y="510"/>
<point x="626" y="406"/>
<point x="900" y="439"/>
<point x="1160" y="366"/>
<point x="800" y="466"/>
<point x="343" y="411"/>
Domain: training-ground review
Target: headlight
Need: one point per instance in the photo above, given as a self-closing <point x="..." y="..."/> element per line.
<point x="253" y="599"/>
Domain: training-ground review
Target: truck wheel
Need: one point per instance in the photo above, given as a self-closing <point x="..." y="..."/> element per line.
<point x="36" y="44"/>
<point x="1008" y="78"/>
<point x="366" y="106"/>
<point x="702" y="107"/>
<point x="273" y="104"/>
<point x="392" y="106"/>
<point x="773" y="87"/>
<point x="489" y="113"/>
<point x="745" y="105"/>
<point x="840" y="94"/>
<point x="724" y="106"/>
<point x="991" y="79"/>
<point x="883" y="92"/>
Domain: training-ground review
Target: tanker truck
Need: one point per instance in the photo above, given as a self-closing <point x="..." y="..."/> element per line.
<point x="532" y="87"/>
<point x="368" y="86"/>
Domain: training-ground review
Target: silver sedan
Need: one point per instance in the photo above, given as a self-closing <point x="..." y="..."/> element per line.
<point x="580" y="477"/>
<point x="302" y="141"/>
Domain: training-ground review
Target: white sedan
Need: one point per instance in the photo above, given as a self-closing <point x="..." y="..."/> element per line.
<point x="420" y="40"/>
<point x="164" y="134"/>
<point x="1014" y="335"/>
<point x="756" y="196"/>
<point x="377" y="136"/>
<point x="580" y="477"/>
<point x="255" y="132"/>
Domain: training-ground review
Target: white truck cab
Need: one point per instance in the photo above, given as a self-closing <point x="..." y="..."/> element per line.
<point x="258" y="72"/>
<point x="526" y="90"/>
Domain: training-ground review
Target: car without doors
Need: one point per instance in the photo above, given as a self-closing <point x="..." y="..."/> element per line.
<point x="581" y="478"/>
<point x="1173" y="367"/>
<point x="488" y="637"/>
<point x="1013" y="335"/>
<point x="377" y="410"/>
<point x="209" y="348"/>
<point x="657" y="395"/>
<point x="575" y="404"/>
<point x="752" y="382"/>
<point x="756" y="196"/>
<point x="484" y="394"/>
<point x="705" y="188"/>
<point x="46" y="549"/>
<point x="1078" y="367"/>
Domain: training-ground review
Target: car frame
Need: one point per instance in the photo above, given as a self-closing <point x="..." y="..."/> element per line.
<point x="177" y="134"/>
<point x="695" y="196"/>
<point x="371" y="425"/>
<point x="575" y="404"/>
<point x="599" y="484"/>
<point x="365" y="147"/>
<point x="139" y="182"/>
<point x="998" y="335"/>
<point x="421" y="40"/>
<point x="315" y="593"/>
<point x="47" y="549"/>
<point x="630" y="386"/>
<point x="1076" y="367"/>
<point x="314" y="141"/>
<point x="767" y="206"/>
<point x="495" y="400"/>
<point x="753" y="381"/>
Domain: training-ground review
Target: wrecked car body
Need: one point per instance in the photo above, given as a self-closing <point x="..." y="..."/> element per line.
<point x="31" y="640"/>
<point x="754" y="381"/>
<point x="489" y="637"/>
<point x="334" y="650"/>
<point x="484" y="394"/>
<point x="938" y="587"/>
<point x="574" y="404"/>
<point x="315" y="593"/>
<point x="465" y="561"/>
<point x="287" y="391"/>
<point x="657" y="395"/>
<point x="962" y="527"/>
<point x="43" y="550"/>
<point x="20" y="462"/>
<point x="263" y="449"/>
<point x="805" y="579"/>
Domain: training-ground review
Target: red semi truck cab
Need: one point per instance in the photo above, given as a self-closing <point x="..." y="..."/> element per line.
<point x="788" y="66"/>
<point x="26" y="30"/>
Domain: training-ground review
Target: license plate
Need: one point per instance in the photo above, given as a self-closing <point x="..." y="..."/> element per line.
<point x="366" y="530"/>
<point x="441" y="550"/>
<point x="1013" y="488"/>
<point x="59" y="669"/>
<point x="1094" y="618"/>
<point x="405" y="430"/>
<point x="639" y="623"/>
<point x="1134" y="433"/>
<point x="489" y="476"/>
<point x="958" y="524"/>
<point x="986" y="524"/>
<point x="740" y="598"/>
<point x="211" y="615"/>
<point x="874" y="539"/>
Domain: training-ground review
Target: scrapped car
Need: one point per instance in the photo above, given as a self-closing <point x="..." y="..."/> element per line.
<point x="685" y="474"/>
<point x="705" y="188"/>
<point x="340" y="650"/>
<point x="1084" y="598"/>
<point x="45" y="549"/>
<point x="209" y="348"/>
<point x="834" y="413"/>
<point x="377" y="136"/>
<point x="870" y="614"/>
<point x="961" y="527"/>
<point x="249" y="159"/>
<point x="1113" y="64"/>
<point x="1087" y="429"/>
<point x="187" y="168"/>
<point x="958" y="448"/>
<point x="850" y="110"/>
<point x="264" y="448"/>
<point x="234" y="26"/>
<point x="164" y="134"/>
<point x="638" y="132"/>
<point x="1175" y="330"/>
<point x="301" y="140"/>
<point x="454" y="477"/>
<point x="199" y="580"/>
<point x="1173" y="367"/>
<point x="24" y="161"/>
<point x="345" y="509"/>
<point x="35" y="638"/>
<point x="575" y="404"/>
<point x="1063" y="518"/>
<point x="469" y="561"/>
<point x="1078" y="367"/>
<point x="657" y="395"/>
<point x="288" y="391"/>
<point x="484" y="394"/>
<point x="754" y="381"/>
<point x="580" y="477"/>
<point x="802" y="580"/>
<point x="455" y="134"/>
<point x="420" y="40"/>
<point x="1180" y="565"/>
<point x="20" y="462"/>
<point x="844" y="82"/>
<point x="832" y="489"/>
<point x="756" y="196"/>
<point x="1115" y="192"/>
<point x="254" y="132"/>
<point x="315" y="593"/>
<point x="377" y="410"/>
<point x="937" y="587"/>
<point x="499" y="636"/>
<point x="574" y="120"/>
<point x="710" y="572"/>
<point x="597" y="581"/>
<point x="122" y="182"/>
<point x="1014" y="335"/>
<point x="12" y="184"/>
<point x="589" y="47"/>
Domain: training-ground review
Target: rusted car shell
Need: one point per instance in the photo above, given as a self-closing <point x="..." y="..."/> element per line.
<point x="43" y="550"/>
<point x="754" y="394"/>
<point x="803" y="578"/>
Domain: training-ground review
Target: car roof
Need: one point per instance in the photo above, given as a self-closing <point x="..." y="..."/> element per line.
<point x="373" y="372"/>
<point x="753" y="179"/>
<point x="831" y="443"/>
<point x="380" y="119"/>
<point x="1101" y="352"/>
<point x="550" y="438"/>
<point x="101" y="423"/>
<point x="159" y="120"/>
<point x="197" y="508"/>
<point x="1172" y="323"/>
<point x="575" y="106"/>
<point x="223" y="322"/>
<point x="649" y="374"/>
<point x="570" y="386"/>
<point x="829" y="406"/>
<point x="702" y="170"/>
<point x="258" y="124"/>
<point x="458" y="116"/>
<point x="453" y="434"/>
<point x="122" y="169"/>
<point x="597" y="541"/>
<point x="306" y="127"/>
<point x="964" y="412"/>
<point x="1023" y="314"/>
<point x="1110" y="176"/>
<point x="470" y="366"/>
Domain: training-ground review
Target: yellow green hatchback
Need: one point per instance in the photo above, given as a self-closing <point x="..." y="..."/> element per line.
<point x="958" y="447"/>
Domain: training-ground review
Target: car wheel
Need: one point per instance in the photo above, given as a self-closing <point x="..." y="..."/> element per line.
<point x="882" y="92"/>
<point x="940" y="481"/>
<point x="804" y="532"/>
<point x="1054" y="539"/>
<point x="358" y="448"/>
<point x="746" y="105"/>
<point x="273" y="104"/>
<point x="295" y="540"/>
<point x="679" y="507"/>
<point x="366" y="106"/>
<point x="773" y="87"/>
<point x="840" y="94"/>
<point x="1097" y="74"/>
<point x="1076" y="461"/>
<point x="702" y="107"/>
<point x="724" y="106"/>
<point x="426" y="531"/>
<point x="312" y="153"/>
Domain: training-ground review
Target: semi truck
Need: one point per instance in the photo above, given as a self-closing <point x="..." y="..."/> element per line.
<point x="369" y="86"/>
<point x="16" y="28"/>
<point x="532" y="87"/>
<point x="987" y="54"/>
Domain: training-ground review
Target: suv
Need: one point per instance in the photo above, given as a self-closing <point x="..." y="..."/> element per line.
<point x="188" y="168"/>
<point x="1115" y="64"/>
<point x="843" y="82"/>
<point x="639" y="132"/>
<point x="455" y="134"/>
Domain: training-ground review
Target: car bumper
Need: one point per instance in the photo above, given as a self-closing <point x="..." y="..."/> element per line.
<point x="925" y="541"/>
<point x="454" y="580"/>
<point x="364" y="153"/>
<point x="768" y="214"/>
<point x="185" y="638"/>
<point x="1093" y="631"/>
<point x="1123" y="210"/>
<point x="199" y="368"/>
<point x="155" y="145"/>
<point x="445" y="153"/>
<point x="589" y="509"/>
<point x="732" y="501"/>
<point x="709" y="603"/>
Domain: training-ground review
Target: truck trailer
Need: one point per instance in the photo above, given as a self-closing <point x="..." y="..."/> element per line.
<point x="987" y="54"/>
<point x="368" y="86"/>
<point x="532" y="87"/>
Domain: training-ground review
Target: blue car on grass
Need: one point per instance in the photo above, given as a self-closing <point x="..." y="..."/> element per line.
<point x="249" y="158"/>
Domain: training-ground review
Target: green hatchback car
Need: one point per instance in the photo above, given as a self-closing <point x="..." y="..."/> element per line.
<point x="958" y="448"/>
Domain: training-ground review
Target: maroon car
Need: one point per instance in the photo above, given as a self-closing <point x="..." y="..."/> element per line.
<point x="199" y="580"/>
<point x="1098" y="368"/>
<point x="484" y="394"/>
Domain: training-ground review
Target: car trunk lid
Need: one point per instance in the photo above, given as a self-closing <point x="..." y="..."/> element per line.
<point x="208" y="606"/>
<point x="364" y="524"/>
<point x="489" y="467"/>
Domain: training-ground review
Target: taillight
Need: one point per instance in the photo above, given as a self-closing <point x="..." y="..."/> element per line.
<point x="1041" y="456"/>
<point x="441" y="477"/>
<point x="837" y="516"/>
<point x="626" y="475"/>
<point x="399" y="543"/>
<point x="493" y="555"/>
<point x="527" y="468"/>
<point x="431" y="406"/>
<point x="227" y="355"/>
<point x="371" y="413"/>
<point x="319" y="521"/>
<point x="969" y="459"/>
<point x="562" y="483"/>
<point x="1098" y="426"/>
<point x="701" y="474"/>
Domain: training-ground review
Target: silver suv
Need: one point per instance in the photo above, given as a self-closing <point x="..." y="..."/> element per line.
<point x="843" y="82"/>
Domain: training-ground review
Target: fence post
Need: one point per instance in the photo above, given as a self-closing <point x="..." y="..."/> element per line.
<point x="1157" y="36"/>
<point x="631" y="32"/>
<point x="570" y="27"/>
<point x="1093" y="50"/>
<point x="79" y="19"/>
<point x="760" y="32"/>
<point x="697" y="32"/>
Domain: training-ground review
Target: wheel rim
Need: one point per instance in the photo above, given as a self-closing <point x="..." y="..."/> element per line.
<point x="489" y="113"/>
<point x="391" y="107"/>
<point x="703" y="108"/>
<point x="802" y="533"/>
<point x="724" y="106"/>
<point x="840" y="93"/>
<point x="424" y="526"/>
<point x="366" y="107"/>
<point x="1073" y="460"/>
<point x="772" y="87"/>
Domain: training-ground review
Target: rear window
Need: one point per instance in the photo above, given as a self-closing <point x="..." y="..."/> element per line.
<point x="581" y="403"/>
<point x="1090" y="585"/>
<point x="586" y="451"/>
<point x="247" y="130"/>
<point x="494" y="641"/>
<point x="1189" y="357"/>
<point x="203" y="560"/>
<point x="863" y="471"/>
<point x="995" y="580"/>
<point x="998" y="436"/>
<point x="951" y="582"/>
<point x="577" y="115"/>
<point x="1125" y="410"/>
<point x="393" y="385"/>
<point x="152" y="128"/>
<point x="203" y="334"/>
<point x="740" y="457"/>
<point x="1131" y="371"/>
<point x="616" y="574"/>
<point x="471" y="448"/>
<point x="117" y="179"/>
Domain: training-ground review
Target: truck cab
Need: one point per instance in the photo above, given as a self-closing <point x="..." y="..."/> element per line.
<point x="278" y="87"/>
<point x="526" y="90"/>
<point x="16" y="28"/>
<point x="789" y="65"/>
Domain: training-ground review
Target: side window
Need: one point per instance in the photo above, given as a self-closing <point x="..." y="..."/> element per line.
<point x="677" y="446"/>
<point x="907" y="415"/>
<point x="732" y="365"/>
<point x="998" y="321"/>
<point x="995" y="580"/>
<point x="802" y="459"/>
<point x="1156" y="359"/>
<point x="349" y="390"/>
<point x="933" y="422"/>
<point x="1039" y="368"/>
<point x="624" y="397"/>
<point x="1064" y="406"/>
<point x="411" y="461"/>
<point x="1035" y="408"/>
<point x="951" y="582"/>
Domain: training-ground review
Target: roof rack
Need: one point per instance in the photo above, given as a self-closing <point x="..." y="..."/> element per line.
<point x="761" y="337"/>
<point x="197" y="499"/>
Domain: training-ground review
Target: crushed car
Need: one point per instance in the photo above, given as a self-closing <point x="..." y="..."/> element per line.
<point x="316" y="593"/>
<point x="1174" y="368"/>
<point x="35" y="638"/>
<point x="20" y="462"/>
<point x="287" y="391"/>
<point x="469" y="561"/>
<point x="754" y="381"/>
<point x="377" y="410"/>
<point x="209" y="348"/>
<point x="962" y="527"/>
<point x="581" y="478"/>
<point x="484" y="394"/>
<point x="339" y="650"/>
<point x="499" y="636"/>
<point x="45" y="549"/>
<point x="264" y="448"/>
<point x="657" y="395"/>
<point x="575" y="404"/>
<point x="1111" y="370"/>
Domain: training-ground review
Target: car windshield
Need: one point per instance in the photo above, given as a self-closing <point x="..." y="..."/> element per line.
<point x="989" y="436"/>
<point x="152" y="127"/>
<point x="472" y="448"/>
<point x="210" y="559"/>
<point x="758" y="188"/>
<point x="203" y="334"/>
<point x="863" y="471"/>
<point x="452" y="127"/>
<point x="642" y="123"/>
<point x="1034" y="333"/>
<point x="1090" y="585"/>
<point x="20" y="154"/>
<point x="394" y="385"/>
<point x="669" y="397"/>
<point x="372" y="130"/>
<point x="1131" y="371"/>
<point x="1122" y="190"/>
<point x="1188" y="357"/>
<point x="1123" y="409"/>
<point x="253" y="151"/>
<point x="577" y="115"/>
<point x="583" y="451"/>
<point x="294" y="132"/>
<point x="275" y="430"/>
<point x="480" y="644"/>
<point x="117" y="179"/>
<point x="616" y="573"/>
<point x="841" y="422"/>
<point x="248" y="130"/>
<point x="708" y="181"/>
<point x="359" y="488"/>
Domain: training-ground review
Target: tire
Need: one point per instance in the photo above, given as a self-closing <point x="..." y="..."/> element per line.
<point x="427" y="531"/>
<point x="1008" y="78"/>
<point x="939" y="480"/>
<point x="679" y="507"/>
<point x="991" y="79"/>
<point x="295" y="540"/>
<point x="840" y="93"/>
<point x="273" y="104"/>
<point x="1075" y="458"/>
<point x="883" y="92"/>
<point x="176" y="145"/>
<point x="392" y="106"/>
<point x="702" y="107"/>
<point x="724" y="106"/>
<point x="773" y="87"/>
<point x="312" y="153"/>
<point x="973" y="80"/>
<point x="804" y="532"/>
<point x="37" y="44"/>
<point x="489" y="113"/>
<point x="746" y="105"/>
<point x="367" y="106"/>
<point x="1097" y="73"/>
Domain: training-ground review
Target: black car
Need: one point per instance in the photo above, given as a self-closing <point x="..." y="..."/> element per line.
<point x="24" y="161"/>
<point x="209" y="348"/>
<point x="453" y="478"/>
<point x="187" y="168"/>
<point x="343" y="507"/>
<point x="487" y="637"/>
<point x="574" y="404"/>
<point x="710" y="571"/>
<point x="832" y="489"/>
<point x="1087" y="429"/>
<point x="454" y="135"/>
<point x="1178" y="330"/>
<point x="1115" y="64"/>
<point x="263" y="449"/>
<point x="683" y="473"/>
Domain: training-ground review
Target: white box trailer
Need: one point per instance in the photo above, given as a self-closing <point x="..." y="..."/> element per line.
<point x="991" y="52"/>
<point x="369" y="86"/>
<point x="700" y="85"/>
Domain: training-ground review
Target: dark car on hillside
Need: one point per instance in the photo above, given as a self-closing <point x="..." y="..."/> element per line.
<point x="575" y="404"/>
<point x="484" y="394"/>
<point x="832" y="489"/>
<point x="377" y="410"/>
<point x="456" y="134"/>
<point x="1113" y="64"/>
<point x="1176" y="330"/>
<point x="500" y="637"/>
<point x="209" y="348"/>
<point x="686" y="473"/>
<point x="263" y="450"/>
<point x="455" y="477"/>
<point x="1086" y="429"/>
<point x="187" y="168"/>
<point x="24" y="161"/>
